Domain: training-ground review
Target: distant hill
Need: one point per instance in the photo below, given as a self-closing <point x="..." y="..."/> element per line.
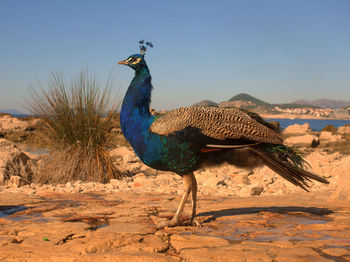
<point x="206" y="103"/>
<point x="246" y="97"/>
<point x="323" y="103"/>
<point x="11" y="111"/>
<point x="247" y="101"/>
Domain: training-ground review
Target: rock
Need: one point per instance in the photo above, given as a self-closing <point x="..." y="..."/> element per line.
<point x="10" y="123"/>
<point x="180" y="242"/>
<point x="122" y="256"/>
<point x="120" y="227"/>
<point x="232" y="253"/>
<point x="256" y="190"/>
<point x="342" y="191"/>
<point x="15" y="181"/>
<point x="149" y="243"/>
<point x="337" y="252"/>
<point x="123" y="152"/>
<point x="329" y="137"/>
<point x="117" y="226"/>
<point x="301" y="140"/>
<point x="344" y="130"/>
<point x="13" y="162"/>
<point x="297" y="129"/>
<point x="115" y="183"/>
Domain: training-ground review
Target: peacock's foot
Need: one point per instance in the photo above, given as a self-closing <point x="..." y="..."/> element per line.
<point x="194" y="222"/>
<point x="176" y="222"/>
<point x="168" y="223"/>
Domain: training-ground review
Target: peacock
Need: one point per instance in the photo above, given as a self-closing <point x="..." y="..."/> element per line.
<point x="188" y="138"/>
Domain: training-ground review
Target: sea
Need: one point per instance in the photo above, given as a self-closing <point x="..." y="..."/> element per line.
<point x="315" y="124"/>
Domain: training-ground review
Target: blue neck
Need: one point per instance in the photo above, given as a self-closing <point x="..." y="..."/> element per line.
<point x="135" y="116"/>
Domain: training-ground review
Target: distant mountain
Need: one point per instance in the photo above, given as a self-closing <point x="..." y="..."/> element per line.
<point x="206" y="103"/>
<point x="11" y="111"/>
<point x="324" y="103"/>
<point x="246" y="97"/>
<point x="247" y="101"/>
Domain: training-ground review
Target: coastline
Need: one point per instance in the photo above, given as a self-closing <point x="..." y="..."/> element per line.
<point x="301" y="116"/>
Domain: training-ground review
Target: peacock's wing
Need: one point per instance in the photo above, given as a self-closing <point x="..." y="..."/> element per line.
<point x="223" y="124"/>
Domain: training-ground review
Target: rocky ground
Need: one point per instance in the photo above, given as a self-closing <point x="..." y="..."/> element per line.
<point x="246" y="215"/>
<point x="119" y="226"/>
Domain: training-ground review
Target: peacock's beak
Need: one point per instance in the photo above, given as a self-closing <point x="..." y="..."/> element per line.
<point x="123" y="62"/>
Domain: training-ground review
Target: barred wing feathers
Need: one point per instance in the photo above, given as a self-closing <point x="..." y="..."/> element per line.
<point x="217" y="123"/>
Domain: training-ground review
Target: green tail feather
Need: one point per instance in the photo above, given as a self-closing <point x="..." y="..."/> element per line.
<point x="287" y="155"/>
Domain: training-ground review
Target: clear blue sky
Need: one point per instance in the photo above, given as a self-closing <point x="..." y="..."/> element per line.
<point x="275" y="50"/>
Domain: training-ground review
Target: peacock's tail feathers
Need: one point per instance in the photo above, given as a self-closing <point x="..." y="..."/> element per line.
<point x="288" y="163"/>
<point x="287" y="154"/>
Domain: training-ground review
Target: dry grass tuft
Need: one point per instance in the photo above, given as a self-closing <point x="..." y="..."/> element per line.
<point x="77" y="119"/>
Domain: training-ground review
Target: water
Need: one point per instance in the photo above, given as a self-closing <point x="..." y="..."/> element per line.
<point x="37" y="151"/>
<point x="20" y="115"/>
<point x="9" y="210"/>
<point x="315" y="124"/>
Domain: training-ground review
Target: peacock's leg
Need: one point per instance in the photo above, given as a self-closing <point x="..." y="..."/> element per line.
<point x="193" y="220"/>
<point x="194" y="197"/>
<point x="188" y="184"/>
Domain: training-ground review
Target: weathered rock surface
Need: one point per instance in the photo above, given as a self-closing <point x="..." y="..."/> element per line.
<point x="301" y="140"/>
<point x="119" y="227"/>
<point x="297" y="129"/>
<point x="344" y="130"/>
<point x="10" y="123"/>
<point x="329" y="137"/>
<point x="14" y="163"/>
<point x="342" y="191"/>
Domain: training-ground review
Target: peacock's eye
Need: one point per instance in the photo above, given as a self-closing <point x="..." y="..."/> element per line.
<point x="135" y="60"/>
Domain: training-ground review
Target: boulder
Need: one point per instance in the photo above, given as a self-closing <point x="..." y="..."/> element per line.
<point x="301" y="140"/>
<point x="297" y="129"/>
<point x="344" y="130"/>
<point x="10" y="123"/>
<point x="126" y="159"/>
<point x="342" y="191"/>
<point x="256" y="191"/>
<point x="327" y="136"/>
<point x="13" y="162"/>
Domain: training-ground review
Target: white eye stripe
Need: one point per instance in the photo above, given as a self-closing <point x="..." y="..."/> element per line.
<point x="137" y="60"/>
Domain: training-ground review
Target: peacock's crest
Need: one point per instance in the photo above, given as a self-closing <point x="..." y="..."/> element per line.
<point x="144" y="45"/>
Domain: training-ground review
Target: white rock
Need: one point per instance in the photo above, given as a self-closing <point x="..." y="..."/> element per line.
<point x="15" y="181"/>
<point x="327" y="136"/>
<point x="297" y="129"/>
<point x="342" y="191"/>
<point x="13" y="162"/>
<point x="10" y="123"/>
<point x="344" y="130"/>
<point x="115" y="183"/>
<point x="301" y="140"/>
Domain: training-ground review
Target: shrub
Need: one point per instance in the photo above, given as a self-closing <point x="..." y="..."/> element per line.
<point x="77" y="120"/>
<point x="330" y="128"/>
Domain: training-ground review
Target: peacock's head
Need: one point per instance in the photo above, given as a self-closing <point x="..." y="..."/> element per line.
<point x="136" y="62"/>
